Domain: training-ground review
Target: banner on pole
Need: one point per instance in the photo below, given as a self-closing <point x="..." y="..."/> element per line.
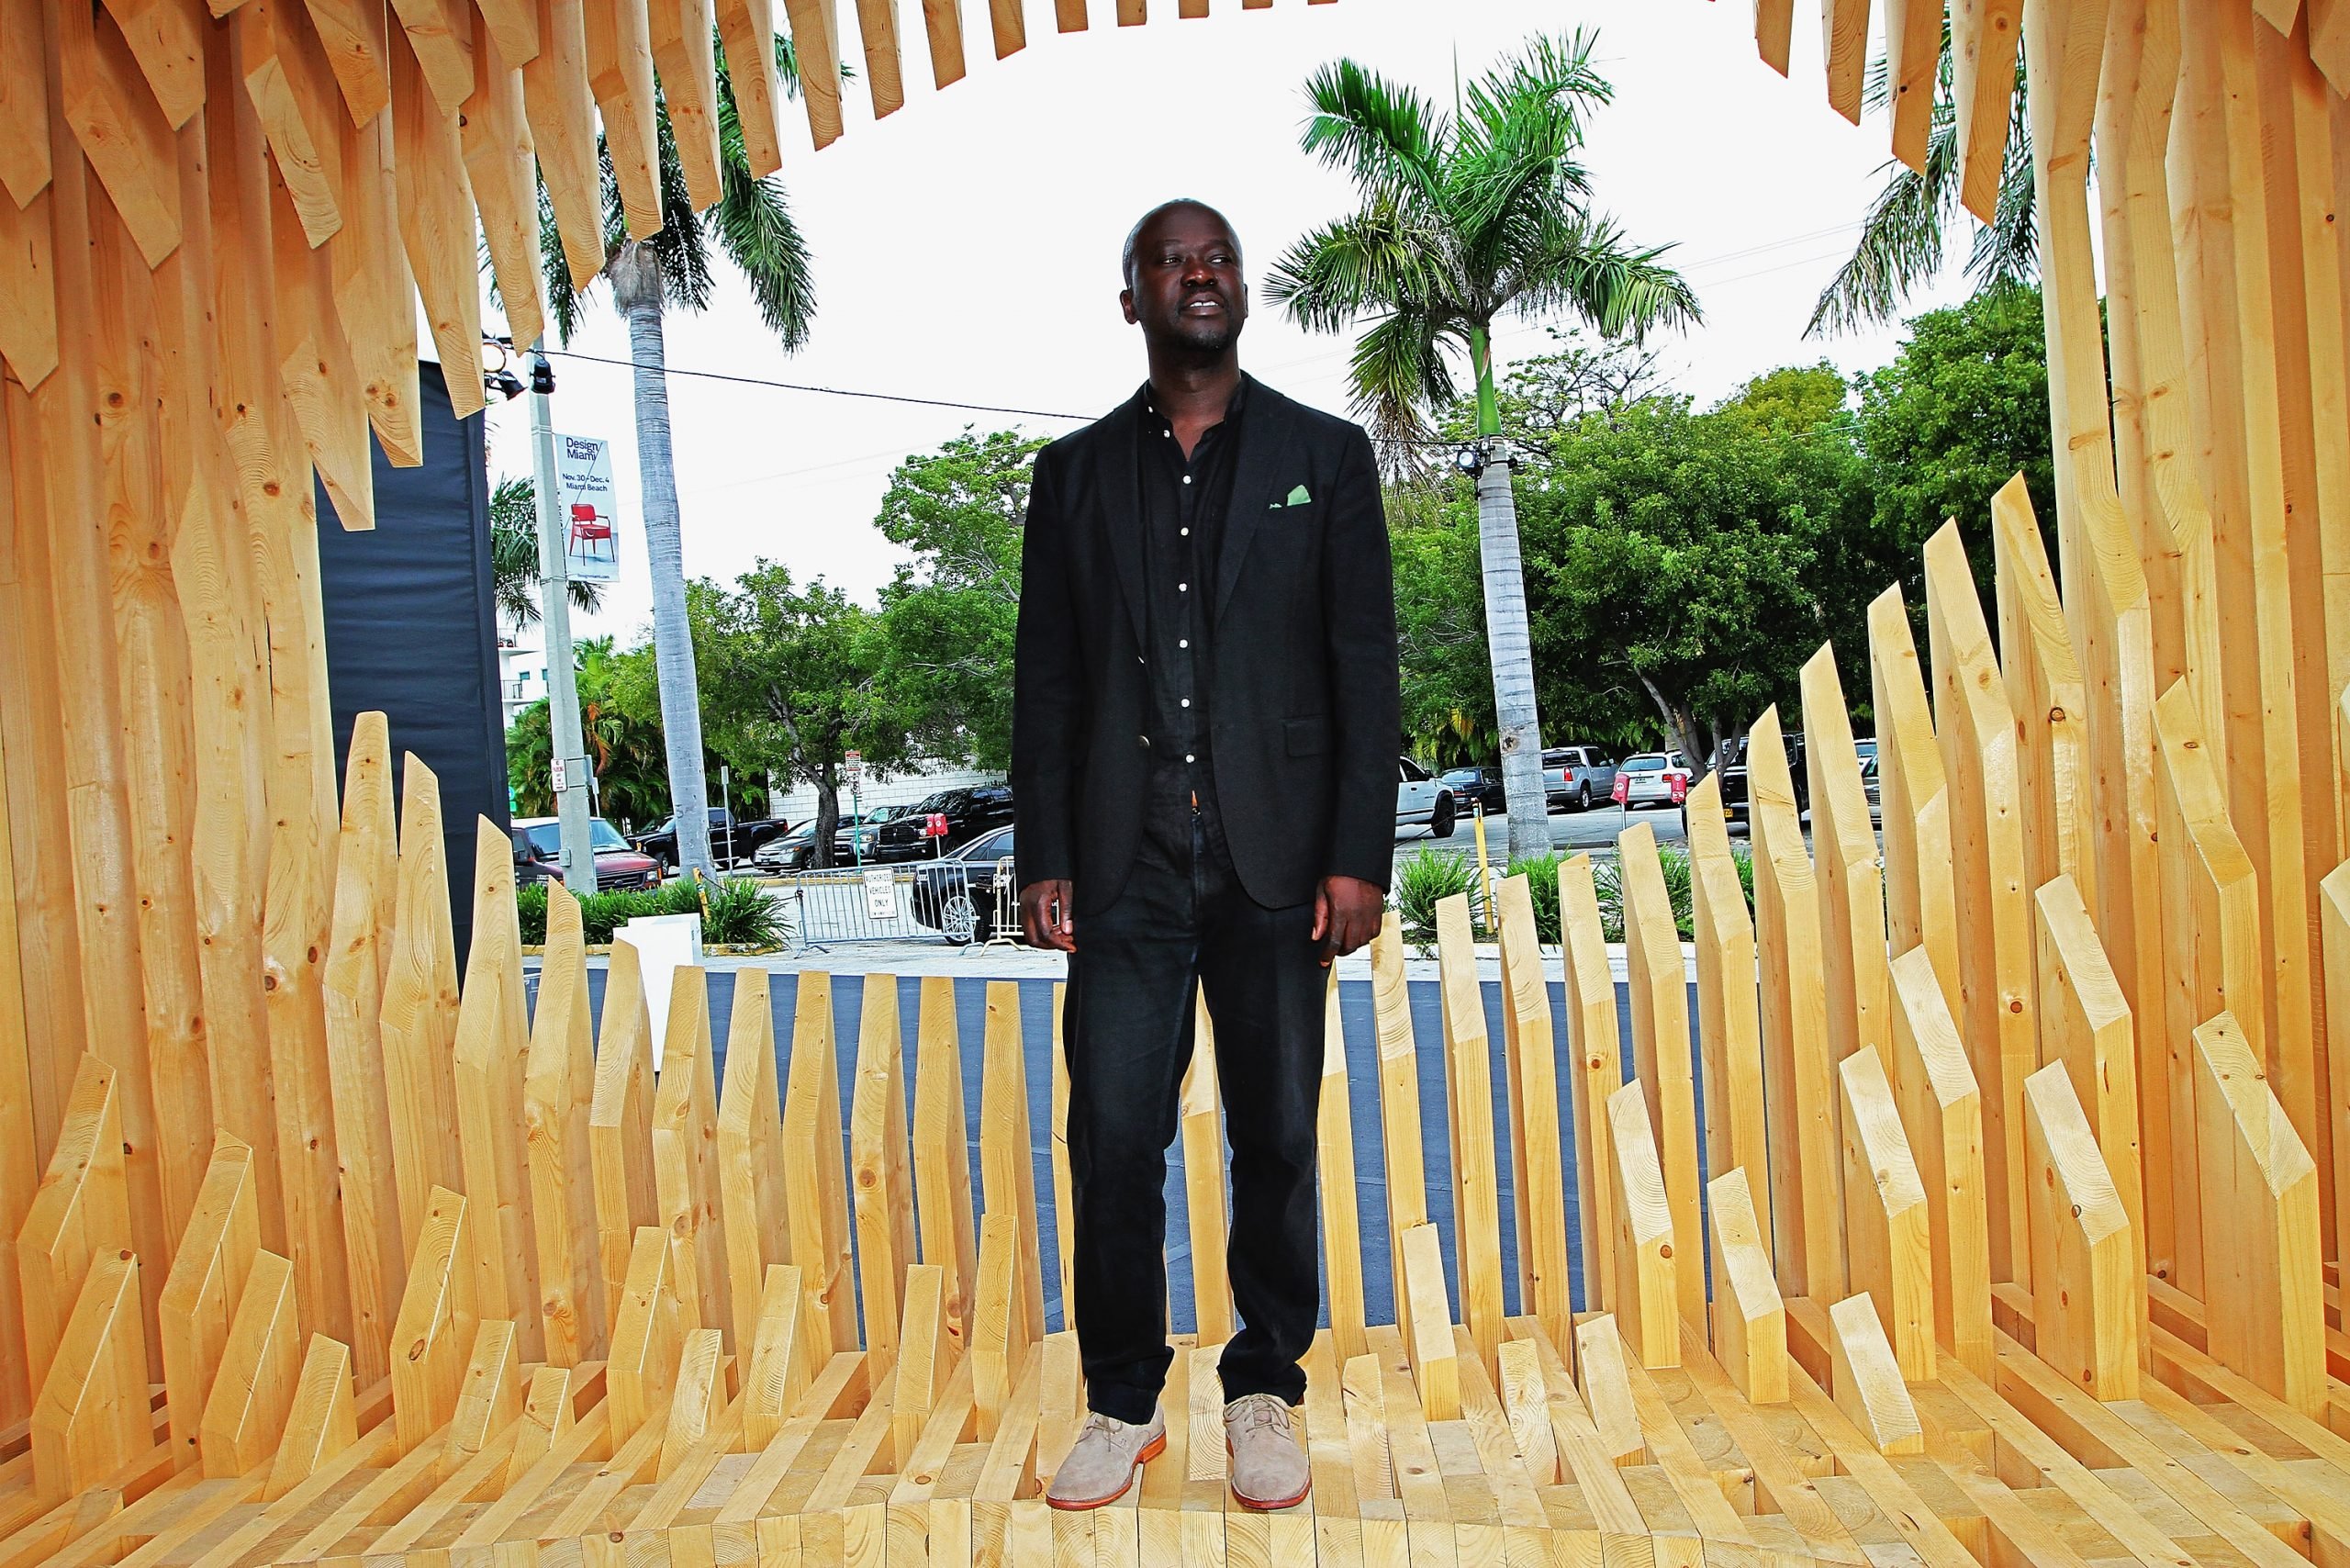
<point x="584" y="508"/>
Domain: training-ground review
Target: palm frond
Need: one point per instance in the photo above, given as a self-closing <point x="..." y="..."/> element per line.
<point x="1370" y="261"/>
<point x="1399" y="368"/>
<point x="1901" y="239"/>
<point x="1383" y="133"/>
<point x="755" y="229"/>
<point x="2006" y="250"/>
<point x="1627" y="291"/>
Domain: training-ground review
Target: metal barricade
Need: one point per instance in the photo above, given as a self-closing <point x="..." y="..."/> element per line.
<point x="928" y="901"/>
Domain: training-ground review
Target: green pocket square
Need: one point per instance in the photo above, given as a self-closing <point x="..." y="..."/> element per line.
<point x="1297" y="498"/>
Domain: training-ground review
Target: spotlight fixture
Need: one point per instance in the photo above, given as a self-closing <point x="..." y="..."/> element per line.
<point x="541" y="374"/>
<point x="1469" y="458"/>
<point x="504" y="384"/>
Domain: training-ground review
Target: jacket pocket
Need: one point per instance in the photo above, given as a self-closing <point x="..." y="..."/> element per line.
<point x="1308" y="736"/>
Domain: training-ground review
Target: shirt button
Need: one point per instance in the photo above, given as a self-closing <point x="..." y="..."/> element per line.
<point x="1187" y="478"/>
<point x="1189" y="757"/>
<point x="1184" y="532"/>
<point x="1182" y="588"/>
<point x="1187" y="702"/>
<point x="1183" y="642"/>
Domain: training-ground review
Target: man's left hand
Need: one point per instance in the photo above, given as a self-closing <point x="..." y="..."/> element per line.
<point x="1347" y="912"/>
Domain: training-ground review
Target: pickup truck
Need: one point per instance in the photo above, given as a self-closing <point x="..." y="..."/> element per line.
<point x="1421" y="799"/>
<point x="730" y="838"/>
<point x="1732" y="775"/>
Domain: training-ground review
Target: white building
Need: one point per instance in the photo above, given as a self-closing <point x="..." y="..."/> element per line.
<point x="522" y="670"/>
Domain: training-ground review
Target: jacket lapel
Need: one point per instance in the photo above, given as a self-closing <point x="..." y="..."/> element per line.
<point x="1264" y="436"/>
<point x="1121" y="512"/>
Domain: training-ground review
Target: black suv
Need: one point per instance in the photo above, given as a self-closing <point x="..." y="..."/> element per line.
<point x="1732" y="774"/>
<point x="969" y="811"/>
<point x="730" y="838"/>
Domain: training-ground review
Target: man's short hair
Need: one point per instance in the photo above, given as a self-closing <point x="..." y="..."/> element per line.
<point x="1134" y="235"/>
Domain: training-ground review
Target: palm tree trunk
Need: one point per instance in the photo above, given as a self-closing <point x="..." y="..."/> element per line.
<point x="1510" y="646"/>
<point x="636" y="290"/>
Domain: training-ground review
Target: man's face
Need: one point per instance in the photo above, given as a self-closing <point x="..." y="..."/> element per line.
<point x="1187" y="290"/>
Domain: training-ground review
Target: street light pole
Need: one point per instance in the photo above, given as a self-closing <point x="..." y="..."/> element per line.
<point x="563" y="687"/>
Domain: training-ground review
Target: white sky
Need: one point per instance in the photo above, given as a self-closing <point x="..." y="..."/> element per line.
<point x="966" y="248"/>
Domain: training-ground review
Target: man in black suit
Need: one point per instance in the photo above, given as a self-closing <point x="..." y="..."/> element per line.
<point x="1203" y="778"/>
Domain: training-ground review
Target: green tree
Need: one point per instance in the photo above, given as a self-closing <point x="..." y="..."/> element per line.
<point x="793" y="683"/>
<point x="1441" y="622"/>
<point x="1906" y="235"/>
<point x="1961" y="411"/>
<point x="621" y="722"/>
<point x="1676" y="554"/>
<point x="946" y="623"/>
<point x="752" y="225"/>
<point x="514" y="555"/>
<point x="1465" y="218"/>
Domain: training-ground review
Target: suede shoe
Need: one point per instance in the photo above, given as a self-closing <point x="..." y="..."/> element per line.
<point x="1268" y="1467"/>
<point x="1103" y="1462"/>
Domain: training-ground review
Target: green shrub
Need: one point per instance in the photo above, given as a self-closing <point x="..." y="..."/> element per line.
<point x="1423" y="881"/>
<point x="530" y="905"/>
<point x="736" y="912"/>
<point x="739" y="913"/>
<point x="1541" y="874"/>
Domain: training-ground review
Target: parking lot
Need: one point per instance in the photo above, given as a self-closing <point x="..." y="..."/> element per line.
<point x="1593" y="829"/>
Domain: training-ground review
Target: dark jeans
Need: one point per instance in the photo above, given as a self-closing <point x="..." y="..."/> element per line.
<point x="1183" y="921"/>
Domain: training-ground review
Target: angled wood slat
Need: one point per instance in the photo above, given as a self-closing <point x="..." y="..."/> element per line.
<point x="619" y="69"/>
<point x="80" y="1214"/>
<point x="685" y="1155"/>
<point x="492" y="1053"/>
<point x="1469" y="1108"/>
<point x="206" y="1283"/>
<point x="1660" y="1063"/>
<point x="620" y="1107"/>
<point x="558" y="1089"/>
<point x="751" y="1159"/>
<point x="681" y="33"/>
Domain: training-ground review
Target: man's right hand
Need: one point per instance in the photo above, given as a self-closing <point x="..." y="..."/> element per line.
<point x="1048" y="914"/>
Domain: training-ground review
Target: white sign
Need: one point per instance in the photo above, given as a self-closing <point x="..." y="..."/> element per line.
<point x="664" y="942"/>
<point x="856" y="766"/>
<point x="585" y="509"/>
<point x="558" y="776"/>
<point x="880" y="892"/>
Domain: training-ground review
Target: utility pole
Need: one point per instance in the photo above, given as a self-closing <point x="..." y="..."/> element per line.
<point x="563" y="687"/>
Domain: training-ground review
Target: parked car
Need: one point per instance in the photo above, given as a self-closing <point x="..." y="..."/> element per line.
<point x="731" y="838"/>
<point x="1652" y="779"/>
<point x="1575" y="776"/>
<point x="1869" y="784"/>
<point x="1476" y="787"/>
<point x="538" y="855"/>
<point x="1422" y="801"/>
<point x="1732" y="774"/>
<point x="969" y="811"/>
<point x="956" y="896"/>
<point x="853" y="841"/>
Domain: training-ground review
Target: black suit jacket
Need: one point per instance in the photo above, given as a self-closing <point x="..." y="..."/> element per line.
<point x="1305" y="708"/>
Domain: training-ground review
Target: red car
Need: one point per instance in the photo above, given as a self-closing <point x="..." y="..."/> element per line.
<point x="538" y="855"/>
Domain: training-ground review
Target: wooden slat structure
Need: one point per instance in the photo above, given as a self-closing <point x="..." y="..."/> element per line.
<point x="2012" y="1228"/>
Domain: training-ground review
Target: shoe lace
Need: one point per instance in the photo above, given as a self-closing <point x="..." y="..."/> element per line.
<point x="1108" y="1426"/>
<point x="1264" y="1410"/>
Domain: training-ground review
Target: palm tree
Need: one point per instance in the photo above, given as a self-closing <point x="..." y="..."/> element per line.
<point x="752" y="225"/>
<point x="1465" y="218"/>
<point x="514" y="556"/>
<point x="1906" y="235"/>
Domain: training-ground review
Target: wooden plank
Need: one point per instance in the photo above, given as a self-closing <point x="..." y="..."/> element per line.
<point x="1889" y="1248"/>
<point x="359" y="951"/>
<point x="435" y="199"/>
<point x="1750" y="1321"/>
<point x="685" y="1156"/>
<point x="2260" y="1224"/>
<point x="1844" y="40"/>
<point x="1200" y="1117"/>
<point x="648" y="1336"/>
<point x="683" y="34"/>
<point x="501" y="169"/>
<point x="80" y="1213"/>
<point x="1335" y="1164"/>
<point x="697" y="1399"/>
<point x="1774" y="25"/>
<point x="1057" y="1136"/>
<point x="925" y="1361"/>
<point x="1914" y="799"/>
<point x="1596" y="1072"/>
<point x="1469" y="1105"/>
<point x="1009" y="24"/>
<point x="1436" y="1371"/>
<point x="1729" y="1018"/>
<point x="1913" y="47"/>
<point x="1846" y="866"/>
<point x="123" y="131"/>
<point x="420" y="1018"/>
<point x="943" y="24"/>
<point x="19" y="1166"/>
<point x="2045" y="694"/>
<point x="323" y="1422"/>
<point x="2085" y="1024"/>
<point x="375" y="292"/>
<point x="547" y="1417"/>
<point x="253" y="1394"/>
<point x="619" y="70"/>
<point x="2334" y="916"/>
<point x="1399" y="1099"/>
<point x="1538" y="1181"/>
<point x="2211" y="928"/>
<point x="1605" y="1380"/>
<point x="2085" y="1279"/>
<point x="1988" y="876"/>
<point x="92" y="1418"/>
<point x="206" y="1280"/>
<point x="1941" y="1112"/>
<point x="353" y="34"/>
<point x="1647" y="1263"/>
<point x="751" y="1157"/>
<point x="558" y="1087"/>
<point x="1007" y="1166"/>
<point x="815" y="1185"/>
<point x="1869" y="1386"/>
<point x="995" y="1352"/>
<point x="1983" y="37"/>
<point x="24" y="108"/>
<point x="747" y="34"/>
<point x="1660" y="999"/>
<point x="492" y="1060"/>
<point x="943" y="1157"/>
<point x="816" y="38"/>
<point x="877" y="26"/>
<point x="781" y="1355"/>
<point x="562" y="114"/>
<point x="1806" y="1180"/>
<point x="433" y="1334"/>
<point x="619" y="1115"/>
<point x="879" y="1173"/>
<point x="441" y="36"/>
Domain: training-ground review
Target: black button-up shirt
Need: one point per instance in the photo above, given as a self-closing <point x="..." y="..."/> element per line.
<point x="1185" y="501"/>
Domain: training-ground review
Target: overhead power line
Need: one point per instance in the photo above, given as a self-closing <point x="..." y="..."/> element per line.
<point x="828" y="391"/>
